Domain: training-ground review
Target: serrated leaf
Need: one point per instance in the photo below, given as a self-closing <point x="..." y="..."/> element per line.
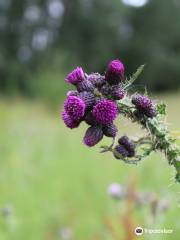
<point x="135" y="76"/>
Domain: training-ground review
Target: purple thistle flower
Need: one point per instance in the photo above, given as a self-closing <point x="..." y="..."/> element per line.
<point x="93" y="135"/>
<point x="72" y="93"/>
<point x="76" y="76"/>
<point x="110" y="130"/>
<point x="144" y="105"/>
<point x="96" y="79"/>
<point x="119" y="149"/>
<point x="88" y="98"/>
<point x="69" y="122"/>
<point x="115" y="72"/>
<point x="75" y="107"/>
<point x="85" y="85"/>
<point x="128" y="144"/>
<point x="117" y="92"/>
<point x="105" y="111"/>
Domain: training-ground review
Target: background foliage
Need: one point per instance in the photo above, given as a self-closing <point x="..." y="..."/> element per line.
<point x="38" y="36"/>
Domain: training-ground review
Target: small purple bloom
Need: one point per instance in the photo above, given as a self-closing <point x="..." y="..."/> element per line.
<point x="105" y="111"/>
<point x="85" y="85"/>
<point x="144" y="105"/>
<point x="117" y="191"/>
<point x="115" y="72"/>
<point x="110" y="130"/>
<point x="69" y="122"/>
<point x="93" y="135"/>
<point x="76" y="76"/>
<point x="75" y="107"/>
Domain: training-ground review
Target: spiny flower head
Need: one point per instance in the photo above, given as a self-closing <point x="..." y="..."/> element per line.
<point x="105" y="111"/>
<point x="74" y="107"/>
<point x="69" y="122"/>
<point x="93" y="135"/>
<point x="144" y="105"/>
<point x="76" y="76"/>
<point x="115" y="72"/>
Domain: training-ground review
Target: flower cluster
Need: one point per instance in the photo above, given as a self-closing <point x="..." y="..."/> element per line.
<point x="94" y="101"/>
<point x="99" y="99"/>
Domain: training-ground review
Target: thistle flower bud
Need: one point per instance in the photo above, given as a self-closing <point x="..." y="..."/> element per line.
<point x="69" y="122"/>
<point x="117" y="92"/>
<point x="75" y="107"/>
<point x="110" y="130"/>
<point x="128" y="144"/>
<point x="76" y="76"/>
<point x="93" y="135"/>
<point x="115" y="72"/>
<point x="144" y="105"/>
<point x="119" y="149"/>
<point x="85" y="85"/>
<point x="96" y="79"/>
<point x="105" y="111"/>
<point x="88" y="98"/>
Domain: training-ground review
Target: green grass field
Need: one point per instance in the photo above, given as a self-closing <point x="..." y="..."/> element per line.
<point x="50" y="180"/>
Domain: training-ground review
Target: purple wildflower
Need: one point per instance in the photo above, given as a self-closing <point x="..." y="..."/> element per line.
<point x="69" y="122"/>
<point x="76" y="76"/>
<point x="85" y="85"/>
<point x="88" y="98"/>
<point x="144" y="105"/>
<point x="117" y="92"/>
<point x="115" y="72"/>
<point x="117" y="191"/>
<point x="75" y="107"/>
<point x="93" y="135"/>
<point x="105" y="111"/>
<point x="120" y="150"/>
<point x="110" y="130"/>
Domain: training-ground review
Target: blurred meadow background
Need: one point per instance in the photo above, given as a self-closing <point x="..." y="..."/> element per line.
<point x="51" y="185"/>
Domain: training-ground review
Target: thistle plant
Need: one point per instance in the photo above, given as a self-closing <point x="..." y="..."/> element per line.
<point x="99" y="99"/>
